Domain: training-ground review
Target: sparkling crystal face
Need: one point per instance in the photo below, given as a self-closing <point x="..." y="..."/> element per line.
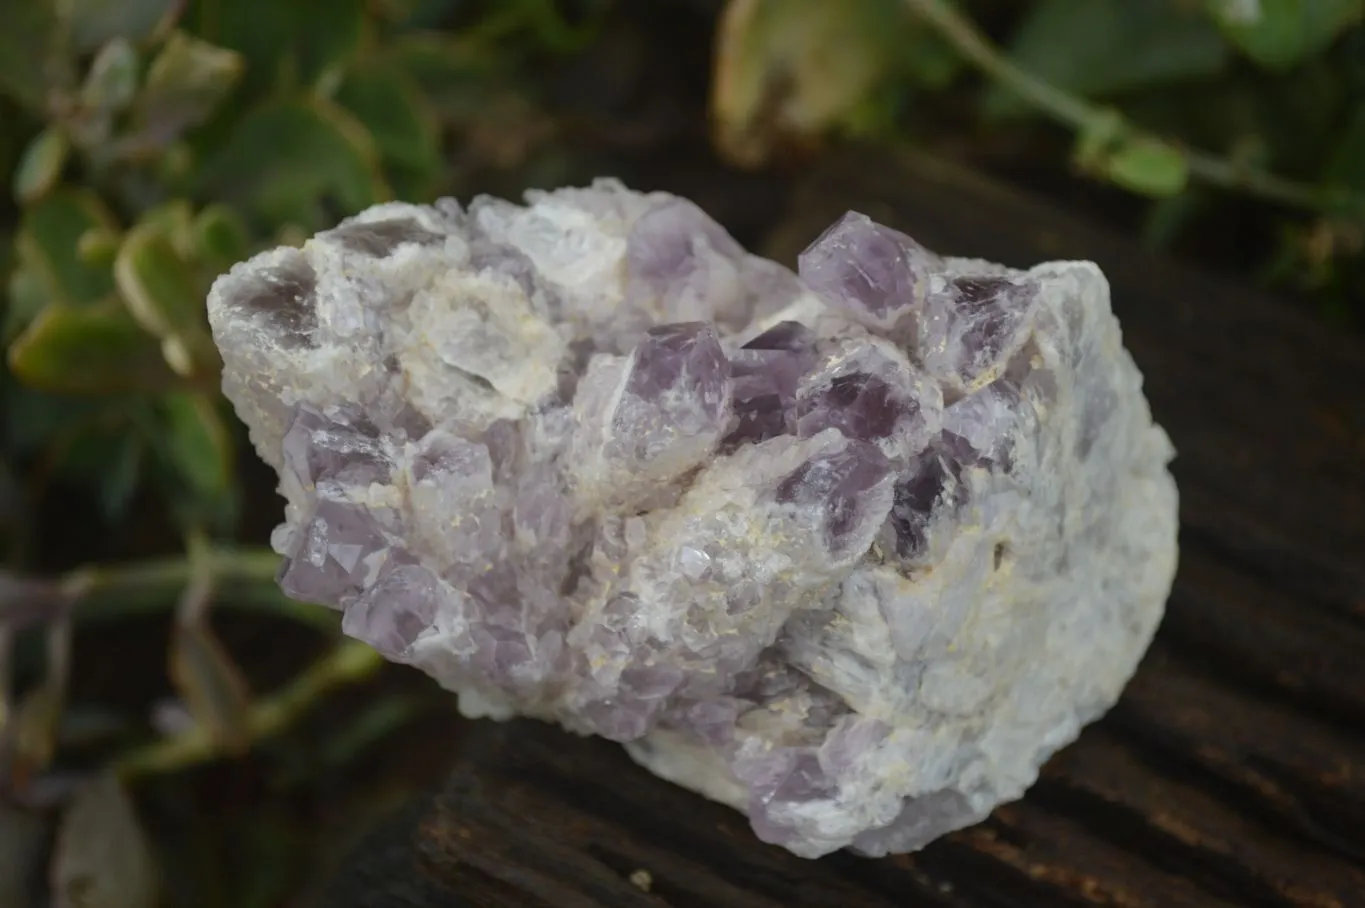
<point x="867" y="269"/>
<point x="283" y="298"/>
<point x="377" y="239"/>
<point x="852" y="551"/>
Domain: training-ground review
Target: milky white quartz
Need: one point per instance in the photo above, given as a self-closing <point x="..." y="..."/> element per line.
<point x="853" y="552"/>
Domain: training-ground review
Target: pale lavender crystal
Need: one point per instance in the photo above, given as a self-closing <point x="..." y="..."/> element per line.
<point x="767" y="372"/>
<point x="847" y="487"/>
<point x="680" y="263"/>
<point x="973" y="325"/>
<point x="333" y="554"/>
<point x="652" y="416"/>
<point x="873" y="272"/>
<point x="853" y="552"/>
<point x="871" y="392"/>
<point x="402" y="603"/>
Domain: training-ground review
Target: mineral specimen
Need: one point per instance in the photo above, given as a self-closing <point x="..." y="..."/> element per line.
<point x="853" y="552"/>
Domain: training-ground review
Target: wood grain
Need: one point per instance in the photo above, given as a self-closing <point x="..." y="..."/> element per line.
<point x="1232" y="772"/>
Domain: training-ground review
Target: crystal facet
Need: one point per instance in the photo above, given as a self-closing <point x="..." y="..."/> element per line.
<point x="852" y="551"/>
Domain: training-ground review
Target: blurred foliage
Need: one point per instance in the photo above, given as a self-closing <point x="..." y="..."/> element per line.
<point x="1260" y="100"/>
<point x="151" y="144"/>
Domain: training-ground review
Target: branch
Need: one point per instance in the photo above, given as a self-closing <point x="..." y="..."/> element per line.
<point x="244" y="579"/>
<point x="348" y="662"/>
<point x="1087" y="118"/>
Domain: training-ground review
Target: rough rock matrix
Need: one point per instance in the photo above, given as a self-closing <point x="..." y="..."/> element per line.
<point x="853" y="552"/>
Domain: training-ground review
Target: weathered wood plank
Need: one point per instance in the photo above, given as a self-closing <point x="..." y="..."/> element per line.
<point x="1231" y="773"/>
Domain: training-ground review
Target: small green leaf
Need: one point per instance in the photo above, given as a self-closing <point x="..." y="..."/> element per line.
<point x="27" y="297"/>
<point x="32" y="57"/>
<point x="220" y="237"/>
<point x="98" y="349"/>
<point x="41" y="164"/>
<point x="285" y="44"/>
<point x="453" y="75"/>
<point x="1148" y="167"/>
<point x="1097" y="139"/>
<point x="102" y="857"/>
<point x="111" y="83"/>
<point x="295" y="161"/>
<point x="49" y="238"/>
<point x="1278" y="34"/>
<point x="213" y="688"/>
<point x="98" y="246"/>
<point x="1346" y="168"/>
<point x="405" y="134"/>
<point x="120" y="480"/>
<point x="94" y="23"/>
<point x="793" y="69"/>
<point x="1101" y="48"/>
<point x="185" y="84"/>
<point x="162" y="292"/>
<point x="199" y="452"/>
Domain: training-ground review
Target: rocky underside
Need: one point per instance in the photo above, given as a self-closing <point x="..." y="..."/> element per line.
<point x="853" y="551"/>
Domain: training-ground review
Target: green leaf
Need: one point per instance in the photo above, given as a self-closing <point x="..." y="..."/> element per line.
<point x="32" y="58"/>
<point x="1102" y="48"/>
<point x="162" y="292"/>
<point x="305" y="162"/>
<point x="27" y="297"/>
<point x="198" y="450"/>
<point x="404" y="132"/>
<point x="794" y="69"/>
<point x="41" y="165"/>
<point x="98" y="247"/>
<point x="1148" y="167"/>
<point x="454" y="76"/>
<point x="96" y="22"/>
<point x="220" y="237"/>
<point x="1278" y="34"/>
<point x="285" y="44"/>
<point x="49" y="238"/>
<point x="213" y="688"/>
<point x="102" y="857"/>
<point x="111" y="83"/>
<point x="1346" y="167"/>
<point x="185" y="84"/>
<point x="98" y="349"/>
<point x="120" y="479"/>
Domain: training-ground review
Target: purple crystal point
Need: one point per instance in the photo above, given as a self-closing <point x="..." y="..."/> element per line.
<point x="974" y="325"/>
<point x="346" y="449"/>
<point x="402" y="603"/>
<point x="334" y="553"/>
<point x="931" y="484"/>
<point x="874" y="272"/>
<point x="676" y="402"/>
<point x="767" y="372"/>
<point x="779" y="781"/>
<point x="850" y="487"/>
<point x="681" y="264"/>
<point x="871" y="393"/>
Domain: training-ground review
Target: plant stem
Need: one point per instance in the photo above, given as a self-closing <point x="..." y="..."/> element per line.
<point x="348" y="662"/>
<point x="1082" y="116"/>
<point x="244" y="578"/>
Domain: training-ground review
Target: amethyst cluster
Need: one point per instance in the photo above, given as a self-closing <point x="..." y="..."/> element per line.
<point x="853" y="550"/>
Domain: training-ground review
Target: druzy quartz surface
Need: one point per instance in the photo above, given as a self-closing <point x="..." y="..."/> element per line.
<point x="853" y="549"/>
